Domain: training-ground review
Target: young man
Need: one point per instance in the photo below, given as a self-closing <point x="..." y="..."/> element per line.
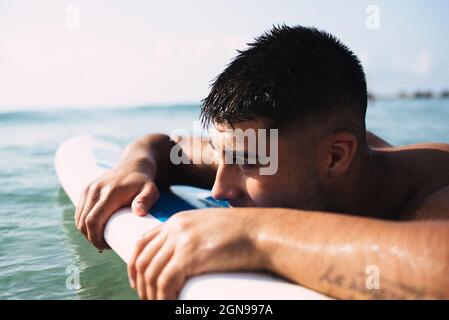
<point x="342" y="202"/>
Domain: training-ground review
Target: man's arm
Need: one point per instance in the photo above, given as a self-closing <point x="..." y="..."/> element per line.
<point x="353" y="257"/>
<point x="343" y="256"/>
<point x="198" y="166"/>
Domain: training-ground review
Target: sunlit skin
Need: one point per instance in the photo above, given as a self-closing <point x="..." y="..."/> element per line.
<point x="333" y="208"/>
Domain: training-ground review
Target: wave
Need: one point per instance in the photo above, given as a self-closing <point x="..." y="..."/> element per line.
<point x="56" y="114"/>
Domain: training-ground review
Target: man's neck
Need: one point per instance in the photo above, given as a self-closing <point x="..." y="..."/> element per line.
<point x="372" y="187"/>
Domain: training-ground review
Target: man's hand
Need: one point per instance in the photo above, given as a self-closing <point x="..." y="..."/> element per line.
<point x="133" y="181"/>
<point x="190" y="243"/>
<point x="130" y="182"/>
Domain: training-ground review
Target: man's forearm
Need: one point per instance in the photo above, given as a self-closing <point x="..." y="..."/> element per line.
<point x="353" y="257"/>
<point x="154" y="150"/>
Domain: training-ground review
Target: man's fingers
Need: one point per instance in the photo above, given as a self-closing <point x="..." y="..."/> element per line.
<point x="80" y="206"/>
<point x="171" y="280"/>
<point x="154" y="269"/>
<point x="96" y="220"/>
<point x="143" y="261"/>
<point x="92" y="198"/>
<point x="146" y="198"/>
<point x="140" y="245"/>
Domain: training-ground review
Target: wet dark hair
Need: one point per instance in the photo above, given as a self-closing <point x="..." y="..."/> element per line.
<point x="289" y="74"/>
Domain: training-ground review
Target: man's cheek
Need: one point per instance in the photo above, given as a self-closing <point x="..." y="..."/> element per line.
<point x="264" y="197"/>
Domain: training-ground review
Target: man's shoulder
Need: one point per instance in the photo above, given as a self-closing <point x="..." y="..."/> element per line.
<point x="429" y="146"/>
<point x="428" y="158"/>
<point x="433" y="206"/>
<point x="429" y="164"/>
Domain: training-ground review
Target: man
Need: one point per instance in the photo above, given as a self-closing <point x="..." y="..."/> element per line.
<point x="341" y="203"/>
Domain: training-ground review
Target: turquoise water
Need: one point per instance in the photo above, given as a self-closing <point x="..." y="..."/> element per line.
<point x="38" y="238"/>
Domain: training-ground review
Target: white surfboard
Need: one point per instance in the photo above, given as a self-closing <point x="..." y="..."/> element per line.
<point x="82" y="159"/>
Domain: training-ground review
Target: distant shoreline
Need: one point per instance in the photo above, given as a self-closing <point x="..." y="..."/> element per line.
<point x="418" y="94"/>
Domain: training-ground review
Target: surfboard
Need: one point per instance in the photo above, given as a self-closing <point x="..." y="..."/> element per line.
<point x="84" y="158"/>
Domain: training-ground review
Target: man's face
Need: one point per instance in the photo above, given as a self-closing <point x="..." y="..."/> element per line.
<point x="289" y="179"/>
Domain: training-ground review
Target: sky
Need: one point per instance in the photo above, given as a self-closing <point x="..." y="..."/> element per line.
<point x="123" y="53"/>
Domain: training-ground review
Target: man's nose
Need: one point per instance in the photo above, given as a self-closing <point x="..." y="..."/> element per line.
<point x="225" y="185"/>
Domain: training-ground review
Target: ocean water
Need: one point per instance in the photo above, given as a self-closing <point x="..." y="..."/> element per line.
<point x="38" y="241"/>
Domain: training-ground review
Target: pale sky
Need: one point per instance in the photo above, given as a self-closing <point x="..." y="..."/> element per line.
<point x="120" y="53"/>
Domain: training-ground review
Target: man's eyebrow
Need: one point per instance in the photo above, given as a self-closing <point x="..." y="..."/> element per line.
<point x="239" y="154"/>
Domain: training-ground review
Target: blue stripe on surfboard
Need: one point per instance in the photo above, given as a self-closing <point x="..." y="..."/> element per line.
<point x="170" y="203"/>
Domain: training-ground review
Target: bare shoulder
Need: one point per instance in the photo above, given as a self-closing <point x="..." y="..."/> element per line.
<point x="434" y="206"/>
<point x="427" y="158"/>
<point x="429" y="162"/>
<point x="436" y="146"/>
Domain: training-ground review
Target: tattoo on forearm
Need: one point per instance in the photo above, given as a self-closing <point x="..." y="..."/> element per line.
<point x="389" y="289"/>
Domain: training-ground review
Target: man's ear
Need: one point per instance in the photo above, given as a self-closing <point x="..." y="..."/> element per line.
<point x="338" y="152"/>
